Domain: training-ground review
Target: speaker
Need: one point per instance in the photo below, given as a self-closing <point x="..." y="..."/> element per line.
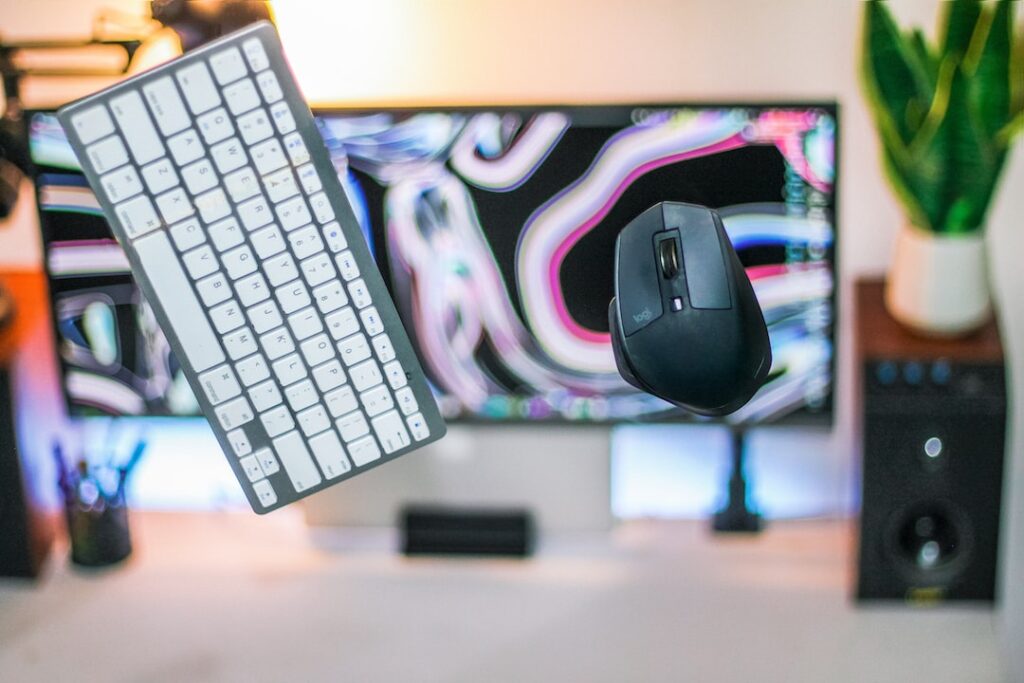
<point x="933" y="420"/>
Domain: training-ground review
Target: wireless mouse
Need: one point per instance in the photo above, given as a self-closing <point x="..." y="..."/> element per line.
<point x="685" y="323"/>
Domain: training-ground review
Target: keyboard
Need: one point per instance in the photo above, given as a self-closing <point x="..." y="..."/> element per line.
<point x="217" y="184"/>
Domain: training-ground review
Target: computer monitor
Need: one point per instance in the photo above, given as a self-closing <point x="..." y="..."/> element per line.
<point x="495" y="230"/>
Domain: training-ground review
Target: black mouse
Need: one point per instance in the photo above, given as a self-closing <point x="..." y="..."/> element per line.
<point x="685" y="323"/>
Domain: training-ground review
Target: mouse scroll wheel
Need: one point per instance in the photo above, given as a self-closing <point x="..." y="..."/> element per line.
<point x="668" y="258"/>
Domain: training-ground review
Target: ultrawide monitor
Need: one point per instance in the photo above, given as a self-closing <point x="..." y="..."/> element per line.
<point x="495" y="230"/>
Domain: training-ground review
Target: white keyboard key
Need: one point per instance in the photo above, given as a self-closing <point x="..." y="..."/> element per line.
<point x="341" y="401"/>
<point x="136" y="126"/>
<point x="289" y="369"/>
<point x="354" y="349"/>
<point x="335" y="237"/>
<point x="240" y="343"/>
<point x="352" y="426"/>
<point x="342" y="323"/>
<point x="371" y="321"/>
<point x="277" y="421"/>
<point x="265" y="396"/>
<point x="321" y="208"/>
<point x="418" y="426"/>
<point x="185" y="147"/>
<point x="251" y="466"/>
<point x="305" y="242"/>
<point x="108" y="154"/>
<point x="268" y="156"/>
<point x="280" y="185"/>
<point x="365" y="375"/>
<point x="264" y="491"/>
<point x="188" y="234"/>
<point x="252" y="370"/>
<point x="301" y="395"/>
<point x="377" y="400"/>
<point x="241" y="96"/>
<point x="390" y="431"/>
<point x="252" y="290"/>
<point x="382" y="345"/>
<point x="228" y="155"/>
<point x="227" y="65"/>
<point x="347" y="265"/>
<point x="234" y="413"/>
<point x="196" y="84"/>
<point x="364" y="451"/>
<point x="292" y="296"/>
<point x="166" y="105"/>
<point x="329" y="454"/>
<point x="239" y="262"/>
<point x="359" y="293"/>
<point x="277" y="343"/>
<point x="184" y="313"/>
<point x="313" y="420"/>
<point x="226" y="234"/>
<point x="239" y="442"/>
<point x="297" y="151"/>
<point x="174" y="206"/>
<point x="214" y="289"/>
<point x="293" y="213"/>
<point x="395" y="374"/>
<point x="317" y="269"/>
<point x="328" y="376"/>
<point x="269" y="86"/>
<point x="256" y="55"/>
<point x="406" y="401"/>
<point x="160" y="176"/>
<point x="200" y="262"/>
<point x="264" y="316"/>
<point x="268" y="241"/>
<point x="242" y="184"/>
<point x="226" y="317"/>
<point x="255" y="126"/>
<point x="213" y="205"/>
<point x="219" y="384"/>
<point x="309" y="178"/>
<point x="283" y="119"/>
<point x="280" y="269"/>
<point x="254" y="213"/>
<point x="215" y="126"/>
<point x="121" y="184"/>
<point x="330" y="297"/>
<point x="92" y="124"/>
<point x="305" y="323"/>
<point x="267" y="461"/>
<point x="199" y="176"/>
<point x="317" y="350"/>
<point x="291" y="449"/>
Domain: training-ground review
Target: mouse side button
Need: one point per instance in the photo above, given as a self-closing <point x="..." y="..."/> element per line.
<point x="704" y="262"/>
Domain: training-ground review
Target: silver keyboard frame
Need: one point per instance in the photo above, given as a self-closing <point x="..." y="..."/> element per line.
<point x="319" y="157"/>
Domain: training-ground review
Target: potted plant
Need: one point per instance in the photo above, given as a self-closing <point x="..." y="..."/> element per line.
<point x="946" y="113"/>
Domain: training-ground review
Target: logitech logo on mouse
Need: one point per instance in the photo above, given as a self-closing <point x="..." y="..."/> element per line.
<point x="643" y="316"/>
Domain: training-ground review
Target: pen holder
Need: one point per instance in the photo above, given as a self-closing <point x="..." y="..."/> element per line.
<point x="97" y="526"/>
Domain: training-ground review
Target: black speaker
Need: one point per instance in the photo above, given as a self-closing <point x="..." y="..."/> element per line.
<point x="933" y="421"/>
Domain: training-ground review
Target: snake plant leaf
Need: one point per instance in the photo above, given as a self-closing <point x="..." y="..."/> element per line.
<point x="959" y="17"/>
<point x="891" y="74"/>
<point x="990" y="68"/>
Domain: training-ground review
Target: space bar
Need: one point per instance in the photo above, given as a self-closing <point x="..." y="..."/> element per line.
<point x="173" y="291"/>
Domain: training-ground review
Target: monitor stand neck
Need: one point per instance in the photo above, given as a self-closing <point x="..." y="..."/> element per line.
<point x="736" y="516"/>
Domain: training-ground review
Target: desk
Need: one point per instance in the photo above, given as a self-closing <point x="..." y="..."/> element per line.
<point x="244" y="598"/>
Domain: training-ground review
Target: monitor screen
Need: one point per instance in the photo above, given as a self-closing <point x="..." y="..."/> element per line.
<point x="495" y="230"/>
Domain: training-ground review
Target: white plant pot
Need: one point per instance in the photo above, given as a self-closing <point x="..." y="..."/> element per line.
<point x="938" y="284"/>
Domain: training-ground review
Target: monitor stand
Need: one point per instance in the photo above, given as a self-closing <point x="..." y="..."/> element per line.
<point x="736" y="516"/>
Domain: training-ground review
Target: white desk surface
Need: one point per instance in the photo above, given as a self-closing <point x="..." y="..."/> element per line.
<point x="237" y="597"/>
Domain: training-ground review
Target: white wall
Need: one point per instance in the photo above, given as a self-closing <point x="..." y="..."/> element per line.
<point x="614" y="50"/>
